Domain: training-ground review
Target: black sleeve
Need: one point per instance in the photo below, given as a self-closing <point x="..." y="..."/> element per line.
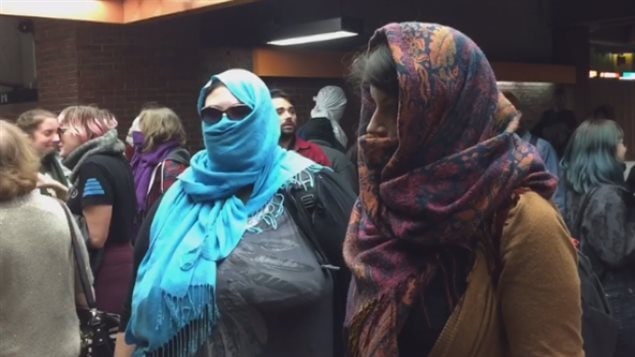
<point x="608" y="227"/>
<point x="142" y="243"/>
<point x="95" y="185"/>
<point x="630" y="180"/>
<point x="335" y="199"/>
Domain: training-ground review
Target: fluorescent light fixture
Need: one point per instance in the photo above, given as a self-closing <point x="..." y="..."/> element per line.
<point x="317" y="31"/>
<point x="593" y="74"/>
<point x="328" y="36"/>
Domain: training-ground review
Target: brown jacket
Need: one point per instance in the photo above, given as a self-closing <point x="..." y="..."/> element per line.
<point x="535" y="308"/>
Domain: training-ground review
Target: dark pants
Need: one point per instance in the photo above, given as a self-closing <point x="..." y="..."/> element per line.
<point x="622" y="302"/>
<point x="112" y="280"/>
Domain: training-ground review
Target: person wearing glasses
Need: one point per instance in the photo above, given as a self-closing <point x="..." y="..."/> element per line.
<point x="228" y="262"/>
<point x="102" y="197"/>
<point x="289" y="139"/>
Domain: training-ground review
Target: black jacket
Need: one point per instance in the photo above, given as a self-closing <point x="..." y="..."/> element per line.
<point x="604" y="222"/>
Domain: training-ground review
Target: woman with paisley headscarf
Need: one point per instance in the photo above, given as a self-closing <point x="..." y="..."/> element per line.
<point x="225" y="266"/>
<point x="453" y="245"/>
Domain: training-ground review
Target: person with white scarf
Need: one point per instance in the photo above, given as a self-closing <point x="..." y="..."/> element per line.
<point x="330" y="103"/>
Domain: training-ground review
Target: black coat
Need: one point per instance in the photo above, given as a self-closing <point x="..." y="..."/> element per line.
<point x="604" y="222"/>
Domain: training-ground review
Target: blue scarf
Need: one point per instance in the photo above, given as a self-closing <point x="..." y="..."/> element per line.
<point x="200" y="220"/>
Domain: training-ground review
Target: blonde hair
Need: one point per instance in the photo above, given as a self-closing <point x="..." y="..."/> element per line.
<point x="87" y="122"/>
<point x="160" y="125"/>
<point x="30" y="120"/>
<point x="19" y="163"/>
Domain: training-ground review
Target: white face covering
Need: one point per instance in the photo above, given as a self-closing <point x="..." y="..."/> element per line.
<point x="330" y="103"/>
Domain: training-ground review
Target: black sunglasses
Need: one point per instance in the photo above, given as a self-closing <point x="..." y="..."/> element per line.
<point x="213" y="115"/>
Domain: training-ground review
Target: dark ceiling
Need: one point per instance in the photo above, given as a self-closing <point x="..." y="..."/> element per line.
<point x="611" y="23"/>
<point x="519" y="30"/>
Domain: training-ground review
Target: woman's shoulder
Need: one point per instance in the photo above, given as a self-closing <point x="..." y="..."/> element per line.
<point x="179" y="155"/>
<point x="50" y="205"/>
<point x="34" y="208"/>
<point x="532" y="208"/>
<point x="608" y="190"/>
<point x="35" y="200"/>
<point x="604" y="196"/>
<point x="535" y="223"/>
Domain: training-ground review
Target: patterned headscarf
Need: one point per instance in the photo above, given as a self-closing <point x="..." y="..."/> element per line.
<point x="451" y="166"/>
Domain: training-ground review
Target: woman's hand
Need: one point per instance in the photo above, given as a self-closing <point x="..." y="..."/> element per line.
<point x="122" y="349"/>
<point x="47" y="183"/>
<point x="514" y="123"/>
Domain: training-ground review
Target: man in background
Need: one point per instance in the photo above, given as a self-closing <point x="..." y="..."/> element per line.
<point x="557" y="124"/>
<point x="289" y="139"/>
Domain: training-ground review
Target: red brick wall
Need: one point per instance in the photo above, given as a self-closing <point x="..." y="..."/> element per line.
<point x="122" y="67"/>
<point x="56" y="63"/>
<point x="11" y="112"/>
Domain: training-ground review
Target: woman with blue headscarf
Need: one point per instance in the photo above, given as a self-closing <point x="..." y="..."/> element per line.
<point x="227" y="264"/>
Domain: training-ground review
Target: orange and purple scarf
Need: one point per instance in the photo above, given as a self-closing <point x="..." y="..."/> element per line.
<point x="449" y="170"/>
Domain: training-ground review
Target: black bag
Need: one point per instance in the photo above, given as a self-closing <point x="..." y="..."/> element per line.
<point x="322" y="212"/>
<point x="599" y="328"/>
<point x="98" y="329"/>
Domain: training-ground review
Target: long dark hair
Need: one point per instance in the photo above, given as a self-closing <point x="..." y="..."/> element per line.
<point x="377" y="68"/>
<point x="590" y="157"/>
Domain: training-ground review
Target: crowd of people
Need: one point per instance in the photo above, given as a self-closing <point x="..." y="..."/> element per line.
<point x="453" y="231"/>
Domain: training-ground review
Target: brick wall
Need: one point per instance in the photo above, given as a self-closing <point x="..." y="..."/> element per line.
<point x="56" y="63"/>
<point x="122" y="67"/>
<point x="12" y="111"/>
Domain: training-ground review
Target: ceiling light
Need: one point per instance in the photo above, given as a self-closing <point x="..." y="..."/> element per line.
<point x="317" y="31"/>
<point x="312" y="38"/>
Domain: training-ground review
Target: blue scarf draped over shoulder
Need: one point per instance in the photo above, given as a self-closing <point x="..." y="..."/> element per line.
<point x="200" y="220"/>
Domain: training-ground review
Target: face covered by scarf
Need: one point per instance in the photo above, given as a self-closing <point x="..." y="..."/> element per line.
<point x="430" y="188"/>
<point x="201" y="220"/>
